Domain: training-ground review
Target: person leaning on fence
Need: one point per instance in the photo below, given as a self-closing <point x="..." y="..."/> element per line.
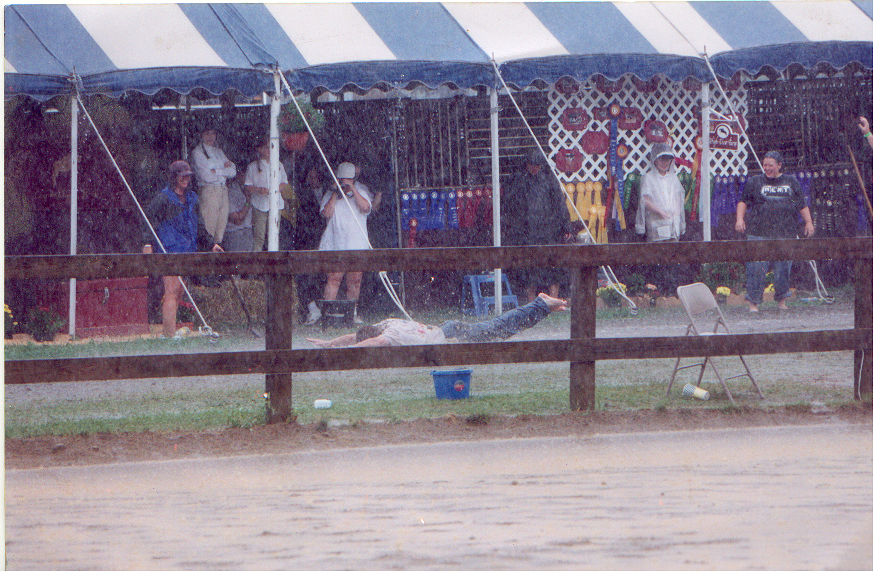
<point x="396" y="332"/>
<point x="173" y="213"/>
<point x="769" y="209"/>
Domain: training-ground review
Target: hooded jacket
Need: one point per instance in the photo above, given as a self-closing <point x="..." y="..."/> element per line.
<point x="661" y="214"/>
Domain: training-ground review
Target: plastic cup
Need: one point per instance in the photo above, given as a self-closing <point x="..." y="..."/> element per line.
<point x="690" y="390"/>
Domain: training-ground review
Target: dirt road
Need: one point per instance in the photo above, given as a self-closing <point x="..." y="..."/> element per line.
<point x="772" y="498"/>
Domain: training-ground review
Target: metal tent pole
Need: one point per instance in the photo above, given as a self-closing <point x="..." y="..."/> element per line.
<point x="496" y="192"/>
<point x="704" y="198"/>
<point x="273" y="214"/>
<point x="74" y="202"/>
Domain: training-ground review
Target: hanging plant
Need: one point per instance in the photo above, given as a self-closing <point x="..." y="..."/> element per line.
<point x="290" y="120"/>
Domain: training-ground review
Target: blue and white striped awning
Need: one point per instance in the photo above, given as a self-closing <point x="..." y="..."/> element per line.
<point x="111" y="48"/>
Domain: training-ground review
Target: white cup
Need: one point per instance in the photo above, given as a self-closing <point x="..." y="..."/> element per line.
<point x="690" y="390"/>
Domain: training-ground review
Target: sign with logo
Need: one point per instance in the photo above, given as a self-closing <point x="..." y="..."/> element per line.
<point x="724" y="132"/>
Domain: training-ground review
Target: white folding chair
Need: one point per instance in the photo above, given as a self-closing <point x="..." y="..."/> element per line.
<point x="701" y="307"/>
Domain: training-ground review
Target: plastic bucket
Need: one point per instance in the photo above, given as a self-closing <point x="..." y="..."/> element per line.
<point x="452" y="384"/>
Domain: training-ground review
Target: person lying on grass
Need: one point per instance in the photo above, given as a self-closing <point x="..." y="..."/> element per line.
<point x="396" y="332"/>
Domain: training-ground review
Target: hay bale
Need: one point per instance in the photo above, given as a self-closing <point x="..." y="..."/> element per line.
<point x="221" y="307"/>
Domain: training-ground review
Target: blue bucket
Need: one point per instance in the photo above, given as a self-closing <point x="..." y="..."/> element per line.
<point x="452" y="384"/>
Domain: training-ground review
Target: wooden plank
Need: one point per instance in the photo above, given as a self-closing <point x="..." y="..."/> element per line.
<point x="280" y="320"/>
<point x="321" y="262"/>
<point x="584" y="283"/>
<point x="339" y="359"/>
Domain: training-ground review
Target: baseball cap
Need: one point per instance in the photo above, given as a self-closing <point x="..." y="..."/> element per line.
<point x="346" y="171"/>
<point x="180" y="169"/>
<point x="661" y="150"/>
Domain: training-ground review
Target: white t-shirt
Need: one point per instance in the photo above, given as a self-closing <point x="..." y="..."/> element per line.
<point x="261" y="178"/>
<point x="347" y="229"/>
<point x="407" y="333"/>
<point x="205" y="159"/>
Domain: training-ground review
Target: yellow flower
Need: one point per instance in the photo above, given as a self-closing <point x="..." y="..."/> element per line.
<point x="770" y="288"/>
<point x="723" y="290"/>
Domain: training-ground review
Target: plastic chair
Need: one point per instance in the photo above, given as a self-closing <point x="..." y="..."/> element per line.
<point x="701" y="307"/>
<point x="480" y="303"/>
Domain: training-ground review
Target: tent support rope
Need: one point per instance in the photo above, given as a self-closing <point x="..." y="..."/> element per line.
<point x="383" y="275"/>
<point x="612" y="281"/>
<point x="205" y="329"/>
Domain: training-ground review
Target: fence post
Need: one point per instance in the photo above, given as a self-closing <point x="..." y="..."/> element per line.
<point x="584" y="285"/>
<point x="862" y="371"/>
<point x="279" y="326"/>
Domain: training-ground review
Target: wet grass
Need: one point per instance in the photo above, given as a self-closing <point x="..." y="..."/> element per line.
<point x="213" y="403"/>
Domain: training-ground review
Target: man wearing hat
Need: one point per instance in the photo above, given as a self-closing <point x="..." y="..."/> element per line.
<point x="176" y="221"/>
<point x="533" y="212"/>
<point x="346" y="212"/>
<point x="769" y="209"/>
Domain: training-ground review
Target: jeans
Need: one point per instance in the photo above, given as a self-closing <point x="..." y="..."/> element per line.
<point x="756" y="280"/>
<point x="500" y="327"/>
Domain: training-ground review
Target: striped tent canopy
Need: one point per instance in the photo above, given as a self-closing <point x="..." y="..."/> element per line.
<point x="112" y="48"/>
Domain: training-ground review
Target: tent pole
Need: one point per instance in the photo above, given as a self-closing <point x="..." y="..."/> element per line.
<point x="273" y="215"/>
<point x="74" y="202"/>
<point x="496" y="192"/>
<point x="394" y="168"/>
<point x="704" y="199"/>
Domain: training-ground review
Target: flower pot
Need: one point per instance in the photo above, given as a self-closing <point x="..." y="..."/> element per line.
<point x="295" y="141"/>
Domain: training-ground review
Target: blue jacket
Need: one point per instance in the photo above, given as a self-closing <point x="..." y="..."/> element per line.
<point x="179" y="226"/>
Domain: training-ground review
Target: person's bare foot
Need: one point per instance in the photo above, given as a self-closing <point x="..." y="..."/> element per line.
<point x="754" y="307"/>
<point x="554" y="304"/>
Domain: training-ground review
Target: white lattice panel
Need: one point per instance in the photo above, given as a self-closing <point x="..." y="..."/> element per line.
<point x="670" y="103"/>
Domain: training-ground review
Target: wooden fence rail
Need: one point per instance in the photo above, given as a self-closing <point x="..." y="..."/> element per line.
<point x="279" y="361"/>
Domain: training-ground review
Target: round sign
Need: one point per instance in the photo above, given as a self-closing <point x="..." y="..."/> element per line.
<point x="622" y="151"/>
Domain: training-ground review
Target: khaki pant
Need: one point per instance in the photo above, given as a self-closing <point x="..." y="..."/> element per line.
<point x="214" y="208"/>
<point x="259" y="229"/>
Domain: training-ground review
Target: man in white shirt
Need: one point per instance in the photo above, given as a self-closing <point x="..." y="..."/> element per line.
<point x="212" y="169"/>
<point x="257" y="186"/>
<point x="346" y="230"/>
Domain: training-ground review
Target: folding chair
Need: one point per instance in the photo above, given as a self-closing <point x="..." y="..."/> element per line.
<point x="701" y="307"/>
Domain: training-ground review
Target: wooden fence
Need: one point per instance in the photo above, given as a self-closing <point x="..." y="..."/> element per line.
<point x="278" y="361"/>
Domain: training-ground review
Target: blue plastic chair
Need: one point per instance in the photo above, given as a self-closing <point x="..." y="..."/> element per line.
<point x="480" y="305"/>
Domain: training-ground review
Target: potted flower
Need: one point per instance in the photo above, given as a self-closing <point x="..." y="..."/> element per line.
<point x="610" y="296"/>
<point x="43" y="324"/>
<point x="294" y="126"/>
<point x="9" y="322"/>
<point x="722" y="293"/>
